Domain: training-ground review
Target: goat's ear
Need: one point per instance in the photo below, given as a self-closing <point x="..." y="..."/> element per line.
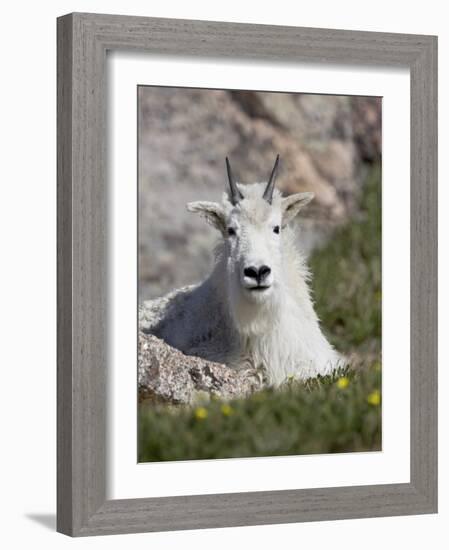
<point x="211" y="211"/>
<point x="293" y="204"/>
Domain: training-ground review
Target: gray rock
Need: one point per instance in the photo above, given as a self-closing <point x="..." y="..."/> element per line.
<point x="167" y="375"/>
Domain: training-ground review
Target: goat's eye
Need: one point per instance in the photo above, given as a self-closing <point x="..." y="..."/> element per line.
<point x="231" y="231"/>
<point x="276" y="229"/>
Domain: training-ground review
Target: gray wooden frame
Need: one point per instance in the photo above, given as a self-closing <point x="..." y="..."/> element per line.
<point x="83" y="40"/>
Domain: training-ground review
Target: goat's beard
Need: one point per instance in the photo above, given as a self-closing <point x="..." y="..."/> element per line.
<point x="253" y="312"/>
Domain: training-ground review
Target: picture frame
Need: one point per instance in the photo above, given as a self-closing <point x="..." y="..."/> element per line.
<point x="83" y="41"/>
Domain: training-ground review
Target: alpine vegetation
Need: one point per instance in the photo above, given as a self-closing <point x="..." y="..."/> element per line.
<point x="254" y="309"/>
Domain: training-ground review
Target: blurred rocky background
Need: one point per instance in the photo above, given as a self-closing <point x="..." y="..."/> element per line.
<point x="326" y="144"/>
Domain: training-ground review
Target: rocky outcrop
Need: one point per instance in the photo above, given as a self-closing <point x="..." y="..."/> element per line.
<point x="167" y="375"/>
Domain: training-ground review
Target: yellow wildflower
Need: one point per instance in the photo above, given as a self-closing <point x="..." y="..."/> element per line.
<point x="200" y="413"/>
<point x="227" y="410"/>
<point x="374" y="398"/>
<point x="342" y="383"/>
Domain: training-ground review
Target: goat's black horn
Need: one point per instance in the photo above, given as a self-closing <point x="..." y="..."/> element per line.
<point x="268" y="193"/>
<point x="236" y="195"/>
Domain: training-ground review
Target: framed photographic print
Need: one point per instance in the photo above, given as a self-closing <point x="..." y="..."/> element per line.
<point x="247" y="282"/>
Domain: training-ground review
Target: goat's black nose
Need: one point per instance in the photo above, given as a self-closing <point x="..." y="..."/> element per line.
<point x="251" y="272"/>
<point x="259" y="274"/>
<point x="264" y="271"/>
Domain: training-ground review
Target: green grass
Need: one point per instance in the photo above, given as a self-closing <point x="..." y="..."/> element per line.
<point x="340" y="413"/>
<point x="346" y="278"/>
<point x="321" y="417"/>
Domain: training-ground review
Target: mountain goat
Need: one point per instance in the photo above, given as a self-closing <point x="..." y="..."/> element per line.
<point x="255" y="307"/>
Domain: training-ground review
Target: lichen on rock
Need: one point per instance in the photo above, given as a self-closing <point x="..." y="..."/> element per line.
<point x="167" y="375"/>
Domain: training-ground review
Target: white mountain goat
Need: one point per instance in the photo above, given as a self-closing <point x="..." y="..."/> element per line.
<point x="255" y="307"/>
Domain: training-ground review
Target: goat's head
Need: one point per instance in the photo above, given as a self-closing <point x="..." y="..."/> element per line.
<point x="251" y="219"/>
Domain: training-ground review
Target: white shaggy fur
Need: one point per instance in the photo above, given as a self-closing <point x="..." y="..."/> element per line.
<point x="225" y="318"/>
